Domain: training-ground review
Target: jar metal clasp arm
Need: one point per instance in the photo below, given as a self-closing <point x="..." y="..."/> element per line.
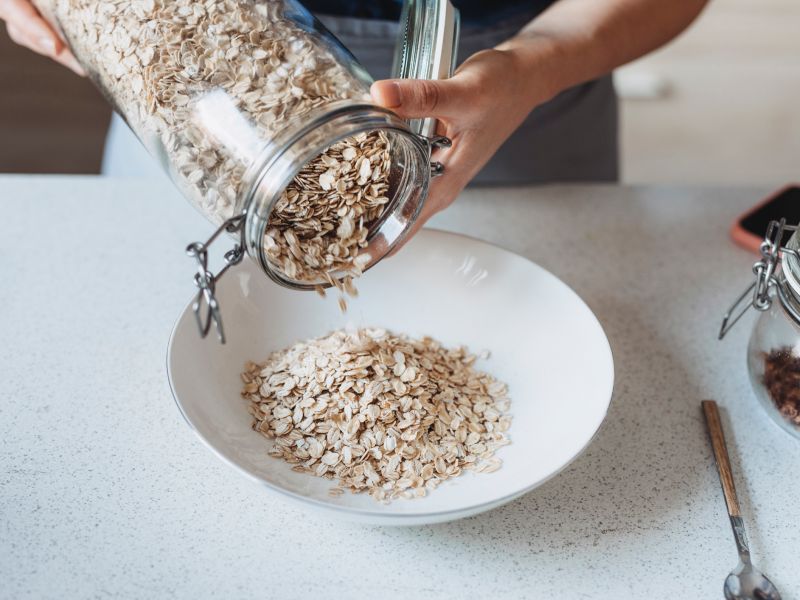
<point x="757" y="294"/>
<point x="434" y="142"/>
<point x="205" y="306"/>
<point x="737" y="310"/>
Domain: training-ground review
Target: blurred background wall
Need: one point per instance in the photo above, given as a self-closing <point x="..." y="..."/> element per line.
<point x="719" y="105"/>
<point x="731" y="113"/>
<point x="51" y="120"/>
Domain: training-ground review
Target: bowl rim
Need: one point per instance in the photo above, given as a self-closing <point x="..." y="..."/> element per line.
<point x="440" y="515"/>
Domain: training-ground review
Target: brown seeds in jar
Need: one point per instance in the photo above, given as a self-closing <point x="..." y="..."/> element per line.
<point x="782" y="380"/>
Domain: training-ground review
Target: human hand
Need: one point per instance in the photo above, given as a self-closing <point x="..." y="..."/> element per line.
<point x="478" y="109"/>
<point x="27" y="28"/>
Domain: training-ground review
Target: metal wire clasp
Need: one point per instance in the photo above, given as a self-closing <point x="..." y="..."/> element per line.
<point x="207" y="281"/>
<point x="437" y="141"/>
<point x="765" y="270"/>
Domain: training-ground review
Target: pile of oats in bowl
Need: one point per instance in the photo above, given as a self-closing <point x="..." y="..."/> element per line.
<point x="378" y="412"/>
<point x="205" y="84"/>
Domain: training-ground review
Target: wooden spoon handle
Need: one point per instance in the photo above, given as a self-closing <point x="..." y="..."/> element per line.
<point x="717" y="437"/>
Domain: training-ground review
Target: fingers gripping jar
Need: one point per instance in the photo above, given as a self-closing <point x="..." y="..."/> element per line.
<point x="263" y="120"/>
<point x="773" y="355"/>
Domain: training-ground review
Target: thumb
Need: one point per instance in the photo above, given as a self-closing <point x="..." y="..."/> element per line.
<point x="416" y="98"/>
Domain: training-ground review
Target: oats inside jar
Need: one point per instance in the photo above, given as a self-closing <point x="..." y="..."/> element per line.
<point x="318" y="229"/>
<point x="205" y="84"/>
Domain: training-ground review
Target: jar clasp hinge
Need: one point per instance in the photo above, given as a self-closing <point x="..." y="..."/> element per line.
<point x="434" y="142"/>
<point x="765" y="270"/>
<point x="206" y="281"/>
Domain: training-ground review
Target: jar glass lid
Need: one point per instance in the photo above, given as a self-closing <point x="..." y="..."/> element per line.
<point x="426" y="46"/>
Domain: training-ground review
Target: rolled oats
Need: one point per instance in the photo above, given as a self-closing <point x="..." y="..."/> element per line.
<point x="379" y="413"/>
<point x="205" y="83"/>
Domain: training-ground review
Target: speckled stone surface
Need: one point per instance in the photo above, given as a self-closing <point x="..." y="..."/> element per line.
<point x="105" y="493"/>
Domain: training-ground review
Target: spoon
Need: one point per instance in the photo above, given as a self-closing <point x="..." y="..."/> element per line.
<point x="745" y="582"/>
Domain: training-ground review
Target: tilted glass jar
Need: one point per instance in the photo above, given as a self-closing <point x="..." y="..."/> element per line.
<point x="773" y="355"/>
<point x="237" y="99"/>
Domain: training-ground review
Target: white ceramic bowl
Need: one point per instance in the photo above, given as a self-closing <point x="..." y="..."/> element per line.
<point x="544" y="342"/>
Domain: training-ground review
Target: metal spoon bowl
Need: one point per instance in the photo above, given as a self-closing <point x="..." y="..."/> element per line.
<point x="746" y="582"/>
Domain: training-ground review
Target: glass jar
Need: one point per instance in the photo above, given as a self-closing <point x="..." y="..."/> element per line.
<point x="264" y="122"/>
<point x="773" y="355"/>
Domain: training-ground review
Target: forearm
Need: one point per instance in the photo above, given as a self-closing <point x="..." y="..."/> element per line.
<point x="578" y="40"/>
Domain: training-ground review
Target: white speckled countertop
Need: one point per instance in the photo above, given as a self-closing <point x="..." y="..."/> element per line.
<point x="106" y="493"/>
